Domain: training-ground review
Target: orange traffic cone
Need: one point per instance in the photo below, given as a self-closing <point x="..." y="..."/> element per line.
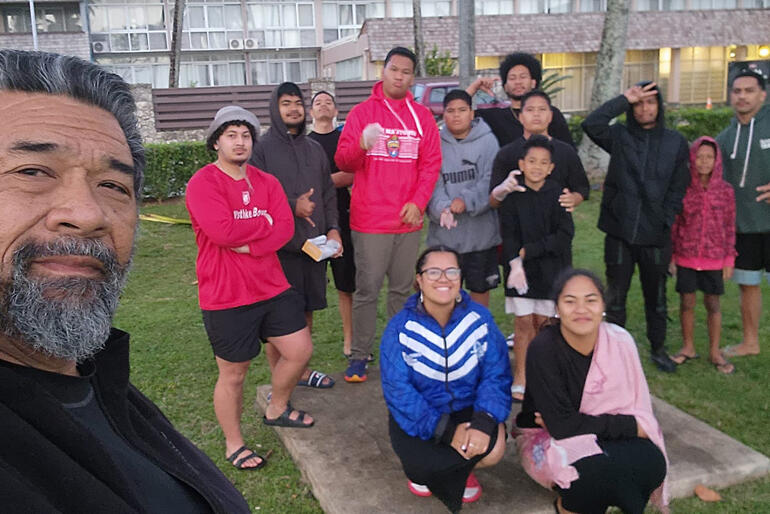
<point x="709" y="105"/>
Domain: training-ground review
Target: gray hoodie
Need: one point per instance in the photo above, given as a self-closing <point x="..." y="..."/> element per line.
<point x="299" y="164"/>
<point x="466" y="168"/>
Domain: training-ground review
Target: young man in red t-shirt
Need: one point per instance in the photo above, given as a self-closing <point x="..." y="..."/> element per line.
<point x="241" y="217"/>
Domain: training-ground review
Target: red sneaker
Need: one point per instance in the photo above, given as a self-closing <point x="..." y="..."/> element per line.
<point x="472" y="489"/>
<point x="418" y="489"/>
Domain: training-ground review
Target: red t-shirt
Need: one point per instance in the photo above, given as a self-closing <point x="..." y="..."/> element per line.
<point x="228" y="213"/>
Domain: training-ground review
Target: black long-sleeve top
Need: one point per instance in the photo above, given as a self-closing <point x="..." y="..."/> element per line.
<point x="506" y="126"/>
<point x="535" y="221"/>
<point x="567" y="171"/>
<point x="556" y="375"/>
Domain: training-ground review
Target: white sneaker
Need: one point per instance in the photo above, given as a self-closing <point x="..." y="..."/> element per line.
<point x="509" y="340"/>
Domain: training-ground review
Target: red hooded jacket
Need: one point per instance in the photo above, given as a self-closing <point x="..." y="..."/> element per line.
<point x="703" y="234"/>
<point x="401" y="167"/>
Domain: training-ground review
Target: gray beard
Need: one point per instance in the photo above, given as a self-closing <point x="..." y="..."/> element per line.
<point x="67" y="318"/>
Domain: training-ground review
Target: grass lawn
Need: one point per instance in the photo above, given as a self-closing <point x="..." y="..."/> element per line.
<point x="172" y="363"/>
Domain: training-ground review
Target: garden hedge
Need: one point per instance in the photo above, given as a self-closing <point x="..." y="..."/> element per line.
<point x="692" y="122"/>
<point x="170" y="166"/>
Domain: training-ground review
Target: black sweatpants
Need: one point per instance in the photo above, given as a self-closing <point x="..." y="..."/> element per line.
<point x="620" y="259"/>
<point x="437" y="466"/>
<point x="624" y="476"/>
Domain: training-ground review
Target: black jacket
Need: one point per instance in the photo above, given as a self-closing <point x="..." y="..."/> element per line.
<point x="299" y="163"/>
<point x="50" y="464"/>
<point x="647" y="176"/>
<point x="568" y="170"/>
<point x="535" y="221"/>
<point x="506" y="127"/>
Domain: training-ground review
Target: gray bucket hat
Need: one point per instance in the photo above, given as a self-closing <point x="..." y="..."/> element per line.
<point x="232" y="113"/>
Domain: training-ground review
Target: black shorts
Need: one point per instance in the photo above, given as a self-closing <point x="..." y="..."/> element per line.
<point x="480" y="270"/>
<point x="235" y="334"/>
<point x="689" y="280"/>
<point x="307" y="277"/>
<point x="344" y="268"/>
<point x="753" y="251"/>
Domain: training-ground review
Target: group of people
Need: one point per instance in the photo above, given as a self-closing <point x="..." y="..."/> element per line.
<point x="498" y="186"/>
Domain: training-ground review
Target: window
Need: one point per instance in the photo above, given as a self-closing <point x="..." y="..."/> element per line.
<point x="277" y="67"/>
<point x="579" y="68"/>
<point x="703" y="74"/>
<point x="660" y="5"/>
<point x="220" y="70"/>
<point x="276" y="25"/>
<point x="14" y="18"/>
<point x="593" y="5"/>
<point x="131" y="27"/>
<point x="343" y="19"/>
<point x="401" y="9"/>
<point x="544" y="6"/>
<point x="436" y="8"/>
<point x="483" y="7"/>
<point x="713" y="4"/>
<point x="211" y="25"/>
<point x="139" y="70"/>
<point x="349" y="69"/>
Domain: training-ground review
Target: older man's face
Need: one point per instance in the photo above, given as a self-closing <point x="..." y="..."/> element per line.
<point x="67" y="204"/>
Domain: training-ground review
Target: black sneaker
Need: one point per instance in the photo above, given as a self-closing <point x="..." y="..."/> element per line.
<point x="662" y="361"/>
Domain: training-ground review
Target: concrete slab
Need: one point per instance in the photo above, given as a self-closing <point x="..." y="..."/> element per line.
<point x="348" y="461"/>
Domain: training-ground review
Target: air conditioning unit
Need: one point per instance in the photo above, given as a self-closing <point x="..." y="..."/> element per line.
<point x="99" y="47"/>
<point x="235" y="44"/>
<point x="250" y="43"/>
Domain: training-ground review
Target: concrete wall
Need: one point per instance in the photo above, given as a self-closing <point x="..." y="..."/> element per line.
<point x="146" y="118"/>
<point x="71" y="43"/>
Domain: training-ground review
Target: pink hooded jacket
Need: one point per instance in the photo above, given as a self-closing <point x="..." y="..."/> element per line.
<point x="703" y="234"/>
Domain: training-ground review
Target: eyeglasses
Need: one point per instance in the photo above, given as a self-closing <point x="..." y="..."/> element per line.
<point x="434" y="274"/>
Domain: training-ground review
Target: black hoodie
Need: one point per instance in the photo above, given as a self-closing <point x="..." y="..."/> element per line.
<point x="647" y="175"/>
<point x="299" y="164"/>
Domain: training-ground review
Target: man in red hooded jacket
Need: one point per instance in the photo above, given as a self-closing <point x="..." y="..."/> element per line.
<point x="392" y="145"/>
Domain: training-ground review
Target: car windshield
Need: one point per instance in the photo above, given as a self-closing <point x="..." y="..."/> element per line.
<point x="417" y="91"/>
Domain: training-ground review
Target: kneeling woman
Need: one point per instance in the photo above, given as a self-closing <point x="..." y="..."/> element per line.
<point x="586" y="428"/>
<point x="446" y="380"/>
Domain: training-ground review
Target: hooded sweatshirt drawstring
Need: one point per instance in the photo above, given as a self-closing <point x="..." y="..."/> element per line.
<point x="411" y="110"/>
<point x="748" y="150"/>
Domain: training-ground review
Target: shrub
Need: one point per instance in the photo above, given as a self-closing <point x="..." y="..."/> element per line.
<point x="692" y="122"/>
<point x="170" y="166"/>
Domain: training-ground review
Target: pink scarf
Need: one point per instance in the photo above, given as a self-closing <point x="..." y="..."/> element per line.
<point x="615" y="384"/>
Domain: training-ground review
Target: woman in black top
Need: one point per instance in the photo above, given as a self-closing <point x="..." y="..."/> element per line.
<point x="626" y="464"/>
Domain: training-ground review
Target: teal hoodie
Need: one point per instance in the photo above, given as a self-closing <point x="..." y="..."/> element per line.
<point x="744" y="172"/>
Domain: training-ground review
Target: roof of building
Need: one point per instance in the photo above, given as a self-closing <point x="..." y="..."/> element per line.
<point x="577" y="32"/>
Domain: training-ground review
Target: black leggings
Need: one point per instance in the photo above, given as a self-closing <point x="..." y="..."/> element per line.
<point x="437" y="466"/>
<point x="624" y="476"/>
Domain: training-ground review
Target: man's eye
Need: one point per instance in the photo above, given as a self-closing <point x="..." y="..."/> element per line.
<point x="117" y="187"/>
<point x="34" y="172"/>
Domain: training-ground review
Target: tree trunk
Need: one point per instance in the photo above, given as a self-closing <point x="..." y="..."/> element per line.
<point x="467" y="50"/>
<point x="176" y="44"/>
<point x="607" y="81"/>
<point x="419" y="44"/>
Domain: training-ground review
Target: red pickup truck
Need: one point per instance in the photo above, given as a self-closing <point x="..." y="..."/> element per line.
<point x="431" y="95"/>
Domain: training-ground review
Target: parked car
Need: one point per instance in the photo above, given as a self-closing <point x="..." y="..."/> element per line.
<point x="431" y="95"/>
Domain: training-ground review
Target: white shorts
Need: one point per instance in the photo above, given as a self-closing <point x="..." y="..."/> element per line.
<point x="526" y="306"/>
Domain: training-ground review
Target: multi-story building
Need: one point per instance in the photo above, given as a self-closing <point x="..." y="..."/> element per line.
<point x="684" y="44"/>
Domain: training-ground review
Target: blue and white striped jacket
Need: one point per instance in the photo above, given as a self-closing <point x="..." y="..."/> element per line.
<point x="428" y="371"/>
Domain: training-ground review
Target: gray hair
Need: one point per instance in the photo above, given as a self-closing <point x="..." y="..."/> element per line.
<point x="42" y="72"/>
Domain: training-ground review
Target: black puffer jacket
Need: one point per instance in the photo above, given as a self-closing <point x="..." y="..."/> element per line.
<point x="647" y="175"/>
<point x="299" y="163"/>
